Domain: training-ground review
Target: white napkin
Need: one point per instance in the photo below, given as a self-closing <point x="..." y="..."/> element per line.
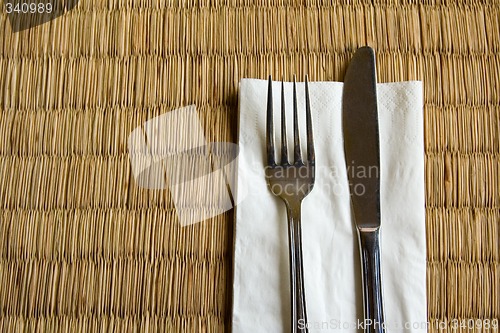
<point x="261" y="300"/>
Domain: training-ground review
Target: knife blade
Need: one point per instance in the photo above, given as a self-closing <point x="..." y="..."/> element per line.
<point x="362" y="156"/>
<point x="361" y="137"/>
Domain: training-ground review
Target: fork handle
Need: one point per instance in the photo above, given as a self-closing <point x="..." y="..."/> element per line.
<point x="369" y="241"/>
<point x="298" y="299"/>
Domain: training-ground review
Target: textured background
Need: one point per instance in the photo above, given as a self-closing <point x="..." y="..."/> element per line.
<point x="82" y="248"/>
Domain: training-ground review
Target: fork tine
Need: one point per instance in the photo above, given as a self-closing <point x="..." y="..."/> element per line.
<point x="310" y="142"/>
<point x="284" y="146"/>
<point x="297" y="154"/>
<point x="269" y="126"/>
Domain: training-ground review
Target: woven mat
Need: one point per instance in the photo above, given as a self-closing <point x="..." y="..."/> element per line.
<point x="83" y="249"/>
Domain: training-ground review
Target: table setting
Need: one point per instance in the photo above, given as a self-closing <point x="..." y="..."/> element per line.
<point x="331" y="264"/>
<point x="235" y="166"/>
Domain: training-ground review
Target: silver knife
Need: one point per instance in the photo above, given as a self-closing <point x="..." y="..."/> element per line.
<point x="362" y="156"/>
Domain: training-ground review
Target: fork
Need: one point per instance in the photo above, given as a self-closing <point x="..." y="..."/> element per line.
<point x="292" y="182"/>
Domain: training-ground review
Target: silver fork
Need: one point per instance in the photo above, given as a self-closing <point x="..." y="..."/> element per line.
<point x="292" y="182"/>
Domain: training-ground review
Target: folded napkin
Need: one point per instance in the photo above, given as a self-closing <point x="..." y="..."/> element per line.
<point x="261" y="300"/>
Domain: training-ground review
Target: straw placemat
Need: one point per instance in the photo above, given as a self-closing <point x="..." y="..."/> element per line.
<point x="82" y="248"/>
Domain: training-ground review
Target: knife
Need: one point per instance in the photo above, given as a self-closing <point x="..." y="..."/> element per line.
<point x="362" y="156"/>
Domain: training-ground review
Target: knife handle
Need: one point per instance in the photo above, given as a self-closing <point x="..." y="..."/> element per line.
<point x="369" y="242"/>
